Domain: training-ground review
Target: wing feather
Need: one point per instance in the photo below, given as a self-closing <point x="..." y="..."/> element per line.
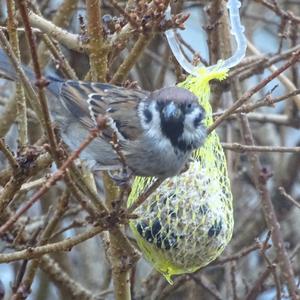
<point x="86" y="101"/>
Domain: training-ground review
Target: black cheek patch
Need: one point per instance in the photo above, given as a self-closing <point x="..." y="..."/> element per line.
<point x="148" y="115"/>
<point x="198" y="120"/>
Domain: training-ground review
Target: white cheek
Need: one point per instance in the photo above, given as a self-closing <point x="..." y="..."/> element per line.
<point x="153" y="128"/>
<point x="154" y="124"/>
<point x="189" y="120"/>
<point x="190" y="133"/>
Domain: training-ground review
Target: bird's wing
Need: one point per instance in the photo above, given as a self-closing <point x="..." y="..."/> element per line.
<point x="86" y="101"/>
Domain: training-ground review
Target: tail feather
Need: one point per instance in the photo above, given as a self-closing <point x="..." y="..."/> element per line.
<point x="8" y="71"/>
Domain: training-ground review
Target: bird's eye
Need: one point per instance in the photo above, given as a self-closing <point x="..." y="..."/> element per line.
<point x="198" y="119"/>
<point x="189" y="108"/>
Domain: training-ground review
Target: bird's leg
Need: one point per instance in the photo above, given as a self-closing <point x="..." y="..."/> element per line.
<point x="185" y="167"/>
<point x="122" y="178"/>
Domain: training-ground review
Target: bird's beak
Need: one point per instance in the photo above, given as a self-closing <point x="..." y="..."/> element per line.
<point x="171" y="112"/>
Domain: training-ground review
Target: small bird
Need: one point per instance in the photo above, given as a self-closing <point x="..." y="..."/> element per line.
<point x="157" y="131"/>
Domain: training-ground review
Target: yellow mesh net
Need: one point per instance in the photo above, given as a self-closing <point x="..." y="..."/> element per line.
<point x="187" y="222"/>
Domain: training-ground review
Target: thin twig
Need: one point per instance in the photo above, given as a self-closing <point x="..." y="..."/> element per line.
<point x="70" y="40"/>
<point x="260" y="179"/>
<point x="11" y="159"/>
<point x="238" y="255"/>
<point x="246" y="148"/>
<point x="143" y="197"/>
<point x="61" y="18"/>
<point x="204" y="282"/>
<point x="251" y="92"/>
<point x="97" y="45"/>
<point x="50" y="182"/>
<point x="41" y="82"/>
<point x="273" y="5"/>
<point x="267" y="101"/>
<point x="63" y="64"/>
<point x="25" y="285"/>
<point x="290" y="86"/>
<point x="27" y="84"/>
<point x="62" y="279"/>
<point x="20" y="94"/>
<point x="65" y="245"/>
<point x="131" y="58"/>
<point x="288" y="197"/>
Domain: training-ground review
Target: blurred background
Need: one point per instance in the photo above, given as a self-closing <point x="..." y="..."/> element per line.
<point x="248" y="269"/>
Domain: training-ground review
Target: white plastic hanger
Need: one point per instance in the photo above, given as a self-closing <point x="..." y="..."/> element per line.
<point x="237" y="31"/>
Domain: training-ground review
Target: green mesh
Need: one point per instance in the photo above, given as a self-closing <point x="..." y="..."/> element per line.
<point x="188" y="221"/>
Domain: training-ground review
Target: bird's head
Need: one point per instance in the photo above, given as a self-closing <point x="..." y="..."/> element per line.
<point x="174" y="113"/>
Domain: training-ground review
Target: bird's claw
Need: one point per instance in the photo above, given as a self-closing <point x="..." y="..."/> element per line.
<point x="121" y="179"/>
<point x="185" y="167"/>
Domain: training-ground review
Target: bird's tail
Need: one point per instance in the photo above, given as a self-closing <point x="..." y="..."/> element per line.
<point x="8" y="71"/>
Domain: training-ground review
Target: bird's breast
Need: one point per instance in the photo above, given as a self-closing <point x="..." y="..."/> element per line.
<point x="155" y="158"/>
